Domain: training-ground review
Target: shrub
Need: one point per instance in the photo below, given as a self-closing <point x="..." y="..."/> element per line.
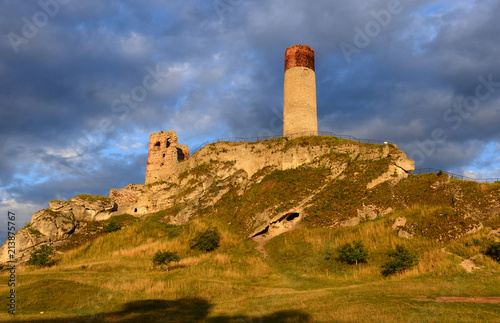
<point x="206" y="241"/>
<point x="40" y="256"/>
<point x="352" y="254"/>
<point x="165" y="257"/>
<point x="473" y="242"/>
<point x="402" y="258"/>
<point x="493" y="250"/>
<point x="111" y="226"/>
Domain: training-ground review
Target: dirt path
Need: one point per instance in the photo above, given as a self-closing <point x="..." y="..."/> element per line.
<point x="491" y="300"/>
<point x="457" y="299"/>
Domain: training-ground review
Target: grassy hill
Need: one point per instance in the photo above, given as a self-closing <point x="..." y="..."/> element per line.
<point x="110" y="277"/>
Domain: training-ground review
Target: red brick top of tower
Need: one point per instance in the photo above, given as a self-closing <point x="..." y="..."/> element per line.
<point x="299" y="55"/>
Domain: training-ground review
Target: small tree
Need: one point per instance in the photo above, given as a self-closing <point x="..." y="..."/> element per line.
<point x="402" y="259"/>
<point x="493" y="250"/>
<point x="165" y="257"/>
<point x="111" y="226"/>
<point x="40" y="256"/>
<point x="352" y="254"/>
<point x="206" y="241"/>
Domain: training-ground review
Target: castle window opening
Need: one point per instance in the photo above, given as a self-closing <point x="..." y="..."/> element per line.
<point x="163" y="155"/>
<point x="168" y="142"/>
<point x="180" y="154"/>
<point x="157" y="144"/>
<point x="135" y="210"/>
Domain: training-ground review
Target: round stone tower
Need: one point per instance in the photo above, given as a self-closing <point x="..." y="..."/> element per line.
<point x="299" y="108"/>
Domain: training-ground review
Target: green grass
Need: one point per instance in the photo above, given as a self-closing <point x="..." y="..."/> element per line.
<point x="308" y="141"/>
<point x="280" y="189"/>
<point x="109" y="278"/>
<point x="93" y="198"/>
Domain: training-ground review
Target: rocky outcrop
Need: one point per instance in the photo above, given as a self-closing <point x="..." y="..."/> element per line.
<point x="202" y="180"/>
<point x="222" y="160"/>
<point x="58" y="222"/>
<point x="403" y="231"/>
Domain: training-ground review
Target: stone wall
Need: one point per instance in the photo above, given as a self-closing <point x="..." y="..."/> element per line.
<point x="164" y="155"/>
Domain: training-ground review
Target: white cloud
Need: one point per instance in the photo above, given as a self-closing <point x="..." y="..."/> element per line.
<point x="136" y="45"/>
<point x="23" y="213"/>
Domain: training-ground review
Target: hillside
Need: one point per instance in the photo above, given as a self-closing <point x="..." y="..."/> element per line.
<point x="282" y="207"/>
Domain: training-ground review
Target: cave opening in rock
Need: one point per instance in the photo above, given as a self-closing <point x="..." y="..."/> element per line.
<point x="291" y="216"/>
<point x="135" y="210"/>
<point x="261" y="232"/>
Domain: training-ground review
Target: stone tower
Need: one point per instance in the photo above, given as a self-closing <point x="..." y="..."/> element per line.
<point x="164" y="155"/>
<point x="299" y="106"/>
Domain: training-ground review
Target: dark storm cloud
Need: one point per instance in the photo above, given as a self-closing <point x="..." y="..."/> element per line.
<point x="74" y="103"/>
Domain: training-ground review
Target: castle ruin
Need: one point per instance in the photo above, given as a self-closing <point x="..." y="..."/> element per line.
<point x="164" y="154"/>
<point x="299" y="97"/>
<point x="299" y="115"/>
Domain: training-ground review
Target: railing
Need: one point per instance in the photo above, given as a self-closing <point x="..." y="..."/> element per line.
<point x="365" y="141"/>
<point x="460" y="177"/>
<point x="294" y="135"/>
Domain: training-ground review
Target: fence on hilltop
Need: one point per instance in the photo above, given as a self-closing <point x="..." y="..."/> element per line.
<point x="455" y="176"/>
<point x="331" y="134"/>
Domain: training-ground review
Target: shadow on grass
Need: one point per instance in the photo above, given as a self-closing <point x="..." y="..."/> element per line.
<point x="183" y="310"/>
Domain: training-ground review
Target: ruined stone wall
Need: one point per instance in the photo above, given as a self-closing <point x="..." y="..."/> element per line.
<point x="128" y="194"/>
<point x="164" y="155"/>
<point x="299" y="100"/>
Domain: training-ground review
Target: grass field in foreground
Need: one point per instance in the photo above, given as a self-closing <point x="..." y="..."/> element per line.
<point x="109" y="279"/>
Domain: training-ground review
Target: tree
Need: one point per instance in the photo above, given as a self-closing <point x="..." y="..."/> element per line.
<point x="165" y="257"/>
<point x="493" y="250"/>
<point x="40" y="256"/>
<point x="352" y="254"/>
<point x="402" y="259"/>
<point x="206" y="241"/>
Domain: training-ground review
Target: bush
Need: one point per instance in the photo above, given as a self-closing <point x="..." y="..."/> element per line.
<point x="473" y="242"/>
<point x="402" y="258"/>
<point x="165" y="257"/>
<point x="40" y="256"/>
<point x="493" y="250"/>
<point x="111" y="226"/>
<point x="352" y="254"/>
<point x="206" y="241"/>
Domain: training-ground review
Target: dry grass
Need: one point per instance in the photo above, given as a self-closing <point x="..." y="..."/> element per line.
<point x="295" y="284"/>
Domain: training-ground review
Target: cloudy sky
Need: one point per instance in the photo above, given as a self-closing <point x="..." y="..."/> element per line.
<point x="84" y="83"/>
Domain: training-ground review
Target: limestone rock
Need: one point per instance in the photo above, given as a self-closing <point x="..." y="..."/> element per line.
<point x="351" y="222"/>
<point x="405" y="234"/>
<point x="58" y="222"/>
<point x="92" y="208"/>
<point x="192" y="180"/>
<point x="494" y="235"/>
<point x="399" y="222"/>
<point x="469" y="265"/>
<point x="367" y="212"/>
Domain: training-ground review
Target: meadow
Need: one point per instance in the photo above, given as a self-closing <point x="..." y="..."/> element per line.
<point x="112" y="279"/>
